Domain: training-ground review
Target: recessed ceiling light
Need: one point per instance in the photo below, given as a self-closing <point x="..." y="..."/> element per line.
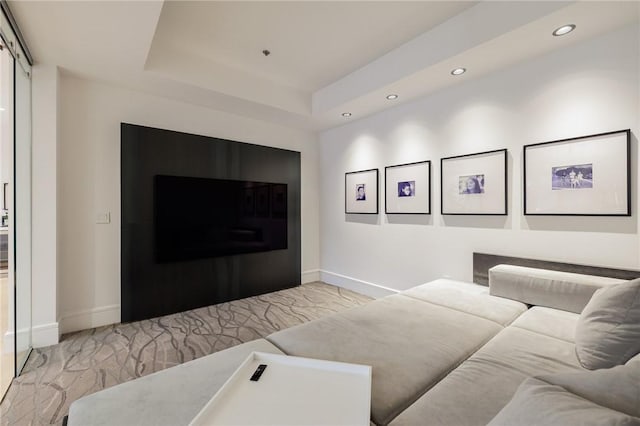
<point x="392" y="97"/>
<point x="565" y="29"/>
<point x="458" y="71"/>
<point x="346" y="114"/>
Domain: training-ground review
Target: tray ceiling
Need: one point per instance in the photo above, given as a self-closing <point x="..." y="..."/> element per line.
<point x="325" y="57"/>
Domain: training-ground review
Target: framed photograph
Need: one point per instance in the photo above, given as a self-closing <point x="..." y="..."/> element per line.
<point x="361" y="192"/>
<point x="474" y="184"/>
<point x="408" y="188"/>
<point x="583" y="176"/>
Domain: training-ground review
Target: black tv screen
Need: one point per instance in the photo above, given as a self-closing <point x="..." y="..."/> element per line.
<point x="199" y="217"/>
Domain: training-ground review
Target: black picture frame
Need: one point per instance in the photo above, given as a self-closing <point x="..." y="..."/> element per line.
<point x="604" y="147"/>
<point x="496" y="199"/>
<point x="370" y="180"/>
<point x="426" y="183"/>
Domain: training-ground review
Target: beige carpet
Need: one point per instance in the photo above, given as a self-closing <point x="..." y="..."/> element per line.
<point x="91" y="360"/>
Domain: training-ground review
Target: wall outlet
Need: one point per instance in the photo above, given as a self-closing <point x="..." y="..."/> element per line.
<point x="103" y="218"/>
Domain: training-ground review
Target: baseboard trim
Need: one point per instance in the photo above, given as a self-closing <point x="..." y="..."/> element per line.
<point x="354" y="284"/>
<point x="106" y="315"/>
<point x="8" y="340"/>
<point x="41" y="336"/>
<point x="310" y="276"/>
<point x="90" y="318"/>
<point x="45" y="335"/>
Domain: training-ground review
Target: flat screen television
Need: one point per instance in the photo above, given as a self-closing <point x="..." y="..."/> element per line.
<point x="200" y="217"/>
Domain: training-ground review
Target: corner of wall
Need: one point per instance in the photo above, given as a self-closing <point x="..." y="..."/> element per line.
<point x="58" y="203"/>
<point x="310" y="276"/>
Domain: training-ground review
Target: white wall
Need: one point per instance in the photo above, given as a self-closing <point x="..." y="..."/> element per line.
<point x="590" y="88"/>
<point x="44" y="210"/>
<point x="89" y="184"/>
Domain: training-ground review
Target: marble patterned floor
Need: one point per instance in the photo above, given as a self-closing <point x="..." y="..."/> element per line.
<point x="95" y="359"/>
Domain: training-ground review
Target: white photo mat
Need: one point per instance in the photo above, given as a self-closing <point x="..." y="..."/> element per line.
<point x="408" y="188"/>
<point x="585" y="176"/>
<point x="474" y="184"/>
<point x="361" y="192"/>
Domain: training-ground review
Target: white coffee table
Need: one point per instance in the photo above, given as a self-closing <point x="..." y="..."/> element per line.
<point x="291" y="391"/>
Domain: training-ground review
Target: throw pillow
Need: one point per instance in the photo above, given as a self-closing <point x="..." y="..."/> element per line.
<point x="608" y="331"/>
<point x="604" y="397"/>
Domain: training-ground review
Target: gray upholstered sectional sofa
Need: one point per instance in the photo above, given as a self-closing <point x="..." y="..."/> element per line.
<point x="443" y="353"/>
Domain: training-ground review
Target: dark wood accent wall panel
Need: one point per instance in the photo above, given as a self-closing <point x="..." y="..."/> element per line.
<point x="151" y="289"/>
<point x="483" y="262"/>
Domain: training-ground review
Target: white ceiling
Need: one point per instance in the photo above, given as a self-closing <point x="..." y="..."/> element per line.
<point x="327" y="57"/>
<point x="312" y="44"/>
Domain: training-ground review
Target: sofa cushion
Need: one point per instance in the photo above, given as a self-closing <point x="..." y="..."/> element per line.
<point x="411" y="345"/>
<point x="608" y="332"/>
<point x="554" y="289"/>
<point x="471" y="298"/>
<point x="477" y="390"/>
<point x="550" y="322"/>
<point x="169" y="397"/>
<point x="610" y="396"/>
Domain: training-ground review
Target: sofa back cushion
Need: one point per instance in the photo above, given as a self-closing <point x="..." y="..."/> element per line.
<point x="608" y="330"/>
<point x="554" y="289"/>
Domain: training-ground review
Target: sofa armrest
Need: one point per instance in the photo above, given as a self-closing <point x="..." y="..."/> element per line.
<point x="554" y="289"/>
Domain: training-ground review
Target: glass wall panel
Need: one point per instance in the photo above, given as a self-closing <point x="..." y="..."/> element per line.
<point x="7" y="294"/>
<point x="15" y="204"/>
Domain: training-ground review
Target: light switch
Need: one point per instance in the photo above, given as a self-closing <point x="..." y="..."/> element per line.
<point x="103" y="218"/>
